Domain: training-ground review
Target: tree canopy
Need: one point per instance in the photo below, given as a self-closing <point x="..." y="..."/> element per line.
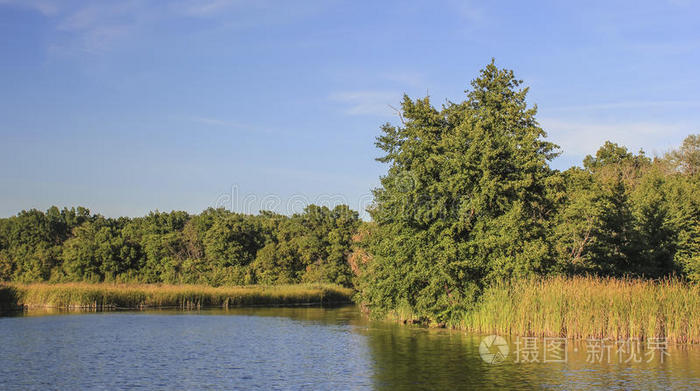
<point x="469" y="198"/>
<point x="215" y="247"/>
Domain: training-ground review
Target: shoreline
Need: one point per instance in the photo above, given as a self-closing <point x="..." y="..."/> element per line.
<point x="576" y="308"/>
<point x="107" y="296"/>
<point x="579" y="308"/>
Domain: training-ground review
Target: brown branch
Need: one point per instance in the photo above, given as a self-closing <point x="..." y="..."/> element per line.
<point x="399" y="113"/>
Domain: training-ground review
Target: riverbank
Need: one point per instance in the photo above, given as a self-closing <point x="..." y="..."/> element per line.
<point x="587" y="307"/>
<point x="137" y="296"/>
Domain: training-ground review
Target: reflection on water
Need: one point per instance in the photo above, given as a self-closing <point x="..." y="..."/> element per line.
<point x="414" y="358"/>
<point x="293" y="348"/>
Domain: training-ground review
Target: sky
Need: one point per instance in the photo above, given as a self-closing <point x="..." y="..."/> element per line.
<point x="132" y="106"/>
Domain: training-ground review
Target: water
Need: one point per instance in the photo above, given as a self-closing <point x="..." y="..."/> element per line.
<point x="294" y="349"/>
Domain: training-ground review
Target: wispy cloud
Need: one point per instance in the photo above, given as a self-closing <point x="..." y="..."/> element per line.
<point x="45" y="7"/>
<point x="406" y="79"/>
<point x="99" y="25"/>
<point x="204" y="8"/>
<point x="88" y="27"/>
<point x="681" y="3"/>
<point x="582" y="138"/>
<point x="367" y="102"/>
<point x="470" y="11"/>
<point x="248" y="13"/>
<point x="629" y="105"/>
<point x="669" y="48"/>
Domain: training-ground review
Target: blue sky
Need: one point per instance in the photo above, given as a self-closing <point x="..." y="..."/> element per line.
<point x="126" y="107"/>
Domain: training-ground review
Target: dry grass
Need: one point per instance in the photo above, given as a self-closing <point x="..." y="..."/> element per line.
<point x="105" y="295"/>
<point x="588" y="307"/>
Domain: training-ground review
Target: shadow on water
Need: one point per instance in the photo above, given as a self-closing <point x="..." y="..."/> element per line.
<point x="409" y="358"/>
<point x="338" y="314"/>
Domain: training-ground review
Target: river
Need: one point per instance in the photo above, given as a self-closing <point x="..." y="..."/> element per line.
<point x="311" y="349"/>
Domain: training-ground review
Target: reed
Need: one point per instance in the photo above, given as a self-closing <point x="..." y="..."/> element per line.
<point x="114" y="296"/>
<point x="589" y="307"/>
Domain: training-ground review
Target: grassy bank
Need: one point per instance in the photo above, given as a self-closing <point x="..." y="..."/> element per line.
<point x="589" y="308"/>
<point x="107" y="296"/>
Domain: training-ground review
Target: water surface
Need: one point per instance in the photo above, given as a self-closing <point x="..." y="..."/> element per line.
<point x="296" y="349"/>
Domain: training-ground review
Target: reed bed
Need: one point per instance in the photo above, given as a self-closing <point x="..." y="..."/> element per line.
<point x="116" y="296"/>
<point x="588" y="307"/>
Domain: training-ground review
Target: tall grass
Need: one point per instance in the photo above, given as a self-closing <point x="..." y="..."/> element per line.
<point x="106" y="295"/>
<point x="588" y="307"/>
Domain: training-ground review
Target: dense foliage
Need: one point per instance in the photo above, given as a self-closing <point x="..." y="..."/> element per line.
<point x="215" y="247"/>
<point x="469" y="199"/>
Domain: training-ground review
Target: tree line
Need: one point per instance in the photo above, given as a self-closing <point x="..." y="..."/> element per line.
<point x="215" y="247"/>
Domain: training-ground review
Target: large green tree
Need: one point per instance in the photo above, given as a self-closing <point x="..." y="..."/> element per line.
<point x="463" y="201"/>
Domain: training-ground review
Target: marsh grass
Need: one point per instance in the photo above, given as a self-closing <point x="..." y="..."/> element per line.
<point x="588" y="307"/>
<point x="114" y="296"/>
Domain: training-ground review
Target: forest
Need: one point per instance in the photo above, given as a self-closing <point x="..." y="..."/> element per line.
<point x="469" y="200"/>
<point x="216" y="247"/>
